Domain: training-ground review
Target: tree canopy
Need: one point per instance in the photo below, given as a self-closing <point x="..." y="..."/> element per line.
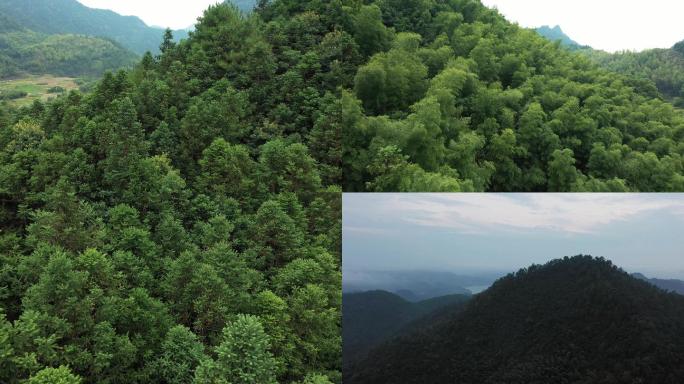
<point x="181" y="223"/>
<point x="449" y="96"/>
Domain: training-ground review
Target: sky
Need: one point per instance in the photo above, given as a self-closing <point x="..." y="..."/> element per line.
<point x="175" y="14"/>
<point x="480" y="233"/>
<point x="611" y="25"/>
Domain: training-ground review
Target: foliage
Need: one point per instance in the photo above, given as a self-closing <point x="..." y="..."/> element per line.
<point x="184" y="214"/>
<point x="452" y="97"/>
<point x="63" y="55"/>
<point x="662" y="68"/>
<point x="242" y="356"/>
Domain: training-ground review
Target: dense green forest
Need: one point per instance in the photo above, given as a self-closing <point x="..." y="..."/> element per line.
<point x="26" y="52"/>
<point x="449" y="96"/>
<point x="373" y="317"/>
<point x="572" y="320"/>
<point x="182" y="222"/>
<point x="663" y="67"/>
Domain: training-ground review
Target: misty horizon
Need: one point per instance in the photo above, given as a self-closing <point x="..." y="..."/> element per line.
<point x="480" y="234"/>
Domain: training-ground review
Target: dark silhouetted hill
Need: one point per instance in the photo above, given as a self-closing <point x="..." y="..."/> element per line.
<point x="370" y="318"/>
<point x="574" y="320"/>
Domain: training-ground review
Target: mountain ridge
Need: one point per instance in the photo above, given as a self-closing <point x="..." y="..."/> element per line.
<point x="556" y="33"/>
<point x="578" y="319"/>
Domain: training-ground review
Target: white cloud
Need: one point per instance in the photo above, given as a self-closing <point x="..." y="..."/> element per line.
<point x="610" y="25"/>
<point x="479" y="213"/>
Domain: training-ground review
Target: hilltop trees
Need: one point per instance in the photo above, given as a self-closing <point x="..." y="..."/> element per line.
<point x="453" y="97"/>
<point x="181" y="223"/>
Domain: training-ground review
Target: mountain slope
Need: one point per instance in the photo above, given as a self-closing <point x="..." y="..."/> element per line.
<point x="370" y="318"/>
<point x="663" y="67"/>
<point x="28" y="52"/>
<point x="72" y="17"/>
<point x="577" y="320"/>
<point x="651" y="69"/>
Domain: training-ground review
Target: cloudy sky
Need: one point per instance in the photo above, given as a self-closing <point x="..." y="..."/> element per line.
<point x="467" y="233"/>
<point x="610" y="25"/>
<point x="175" y="14"/>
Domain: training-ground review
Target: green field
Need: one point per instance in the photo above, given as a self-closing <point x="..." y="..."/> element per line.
<point x="36" y="87"/>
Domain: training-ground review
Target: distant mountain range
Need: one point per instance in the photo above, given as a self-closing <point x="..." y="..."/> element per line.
<point x="556" y="33"/>
<point x="573" y="320"/>
<point x="670" y="285"/>
<point x="370" y="318"/>
<point x="413" y="285"/>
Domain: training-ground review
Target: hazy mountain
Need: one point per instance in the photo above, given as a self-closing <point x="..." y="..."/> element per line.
<point x="72" y="17"/>
<point x="556" y="33"/>
<point x="671" y="285"/>
<point x="413" y="285"/>
<point x="575" y="320"/>
<point x="369" y="318"/>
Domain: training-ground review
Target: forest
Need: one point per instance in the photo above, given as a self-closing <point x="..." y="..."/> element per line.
<point x="573" y="320"/>
<point x="181" y="223"/>
<point x="24" y="51"/>
<point x="448" y="96"/>
<point x="663" y="67"/>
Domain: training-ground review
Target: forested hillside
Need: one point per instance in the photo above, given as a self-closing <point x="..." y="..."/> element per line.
<point x="54" y="17"/>
<point x="575" y="320"/>
<point x="181" y="223"/>
<point x="663" y="67"/>
<point x="370" y="318"/>
<point x="449" y="96"/>
<point x="26" y="52"/>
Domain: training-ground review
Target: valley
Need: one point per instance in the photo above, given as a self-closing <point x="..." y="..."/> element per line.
<point x="24" y="91"/>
